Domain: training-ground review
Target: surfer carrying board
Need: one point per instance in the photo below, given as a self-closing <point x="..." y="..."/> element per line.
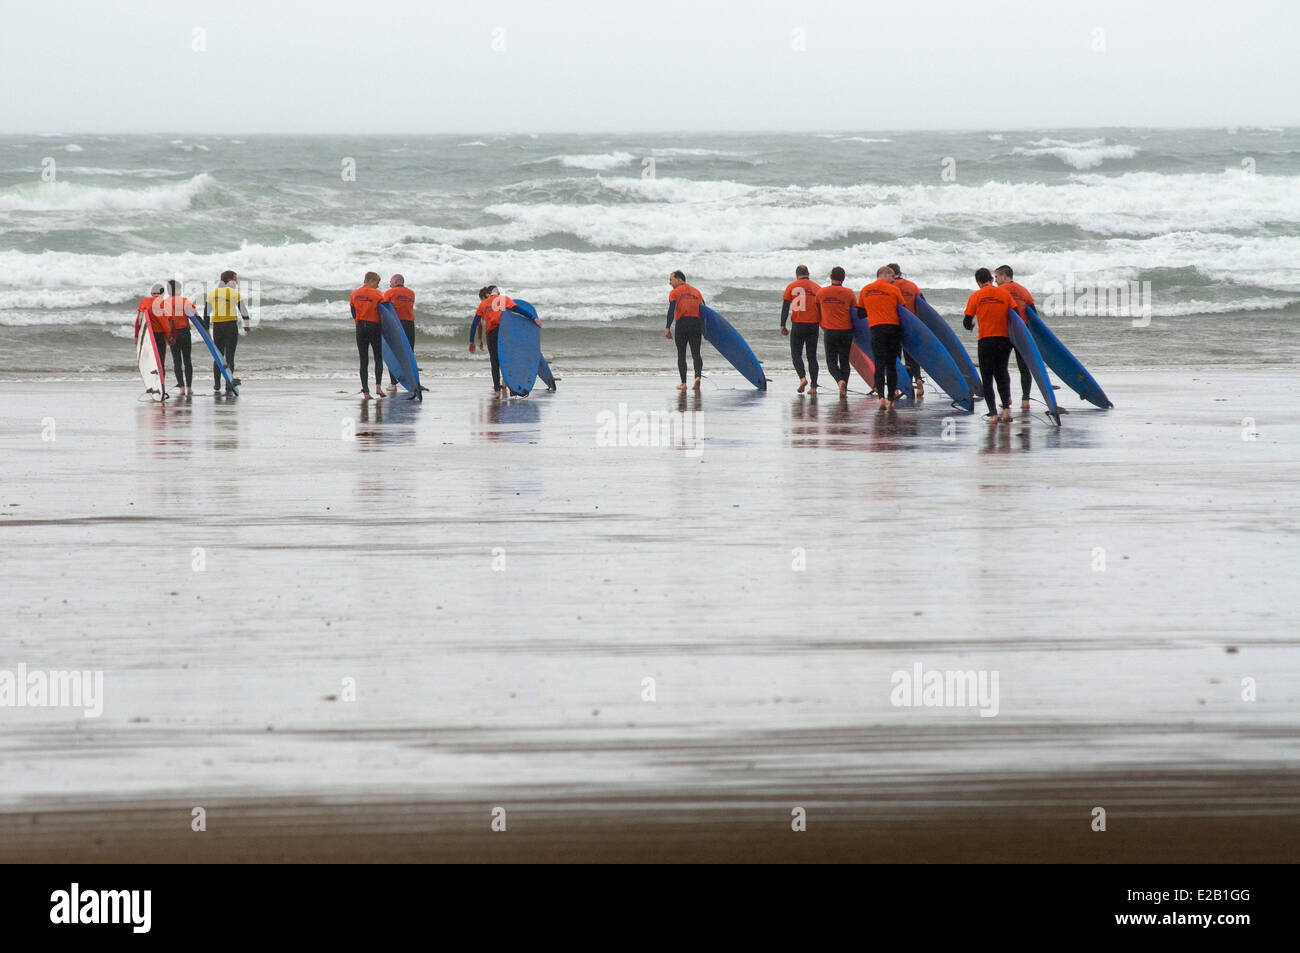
<point x="684" y="311"/>
<point x="222" y="309"/>
<point x="177" y="309"/>
<point x="402" y="299"/>
<point x="800" y="301"/>
<point x="149" y="319"/>
<point x="990" y="306"/>
<point x="487" y="318"/>
<point x="910" y="293"/>
<point x="835" y="305"/>
<point x="880" y="301"/>
<point x="364" y="303"/>
<point x="1003" y="275"/>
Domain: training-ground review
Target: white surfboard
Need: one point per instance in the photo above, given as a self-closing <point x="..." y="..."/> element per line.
<point x="146" y="355"/>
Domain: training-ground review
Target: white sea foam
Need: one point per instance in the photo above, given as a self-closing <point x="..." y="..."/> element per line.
<point x="73" y="147"/>
<point x="70" y="196"/>
<point x="596" y="162"/>
<point x="1086" y="154"/>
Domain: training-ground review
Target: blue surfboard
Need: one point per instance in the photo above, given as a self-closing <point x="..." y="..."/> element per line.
<point x="544" y="372"/>
<point x="862" y="338"/>
<point x="731" y="345"/>
<point x="397" y="351"/>
<point x="940" y="328"/>
<point x="519" y="349"/>
<point x="216" y="355"/>
<point x="920" y="342"/>
<point x="543" y="369"/>
<point x="1068" y="367"/>
<point x="1024" y="344"/>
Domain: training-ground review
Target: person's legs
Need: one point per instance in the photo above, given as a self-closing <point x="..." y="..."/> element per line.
<point x="492" y="337"/>
<point x="888" y="352"/>
<point x="160" y="339"/>
<point x="363" y="354"/>
<point x="696" y="339"/>
<point x="225" y="335"/>
<point x="186" y="346"/>
<point x="409" y="328"/>
<point x="176" y="359"/>
<point x="1026" y="378"/>
<point x="913" y="370"/>
<point x="796" y="350"/>
<point x="810" y="342"/>
<point x="376" y="337"/>
<point x="679" y="338"/>
<point x="987" y="361"/>
<point x="1000" y="371"/>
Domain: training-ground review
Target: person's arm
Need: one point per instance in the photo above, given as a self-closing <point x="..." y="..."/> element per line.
<point x="515" y="309"/>
<point x="672" y="311"/>
<point x="474" y="326"/>
<point x="243" y="313"/>
<point x="354" y="310"/>
<point x="968" y="322"/>
<point x="785" y="313"/>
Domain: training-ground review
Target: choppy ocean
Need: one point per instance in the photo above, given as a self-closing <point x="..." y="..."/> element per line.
<point x="1199" y="226"/>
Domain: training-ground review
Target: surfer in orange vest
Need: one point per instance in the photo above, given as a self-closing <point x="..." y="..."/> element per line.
<point x="910" y="293"/>
<point x="364" y="303"/>
<point x="487" y="318"/>
<point x="879" y="303"/>
<point x="150" y="320"/>
<point x="1003" y="276"/>
<point x="177" y="309"/>
<point x="799" y="303"/>
<point x="402" y="299"/>
<point x="835" y="307"/>
<point x="991" y="306"/>
<point x="684" y="312"/>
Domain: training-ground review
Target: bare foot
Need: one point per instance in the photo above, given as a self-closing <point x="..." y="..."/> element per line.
<point x="812" y="390"/>
<point x="365" y="395"/>
<point x="844" y="388"/>
<point x="1024" y="405"/>
<point x="682" y="386"/>
<point x="1006" y="415"/>
<point x="882" y="404"/>
<point x="696" y="388"/>
<point x="920" y="388"/>
<point x="803" y="385"/>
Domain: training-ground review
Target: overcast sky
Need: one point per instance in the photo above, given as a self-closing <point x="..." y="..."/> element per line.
<point x="478" y="66"/>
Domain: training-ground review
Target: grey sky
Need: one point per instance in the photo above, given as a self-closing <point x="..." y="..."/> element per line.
<point x="390" y="66"/>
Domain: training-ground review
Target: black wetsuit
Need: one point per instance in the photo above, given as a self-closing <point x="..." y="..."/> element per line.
<point x="803" y="341"/>
<point x="181" y="348"/>
<point x="1026" y="378"/>
<point x="368" y="339"/>
<point x="886" y="346"/>
<point x="687" y="331"/>
<point x="493" y="337"/>
<point x="225" y="335"/>
<point x="994" y="353"/>
<point x="838" y="345"/>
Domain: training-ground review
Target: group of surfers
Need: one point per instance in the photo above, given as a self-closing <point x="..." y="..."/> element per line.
<point x="808" y="311"/>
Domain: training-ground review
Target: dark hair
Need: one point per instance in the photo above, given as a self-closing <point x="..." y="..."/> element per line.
<point x="173" y="287"/>
<point x="678" y="274"/>
<point x="837" y="273"/>
<point x="1004" y="270"/>
<point x="893" y="266"/>
<point x="801" y="271"/>
<point x="982" y="277"/>
<point x="227" y="275"/>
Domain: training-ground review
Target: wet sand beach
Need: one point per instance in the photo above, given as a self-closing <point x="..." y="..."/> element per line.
<point x="350" y="631"/>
